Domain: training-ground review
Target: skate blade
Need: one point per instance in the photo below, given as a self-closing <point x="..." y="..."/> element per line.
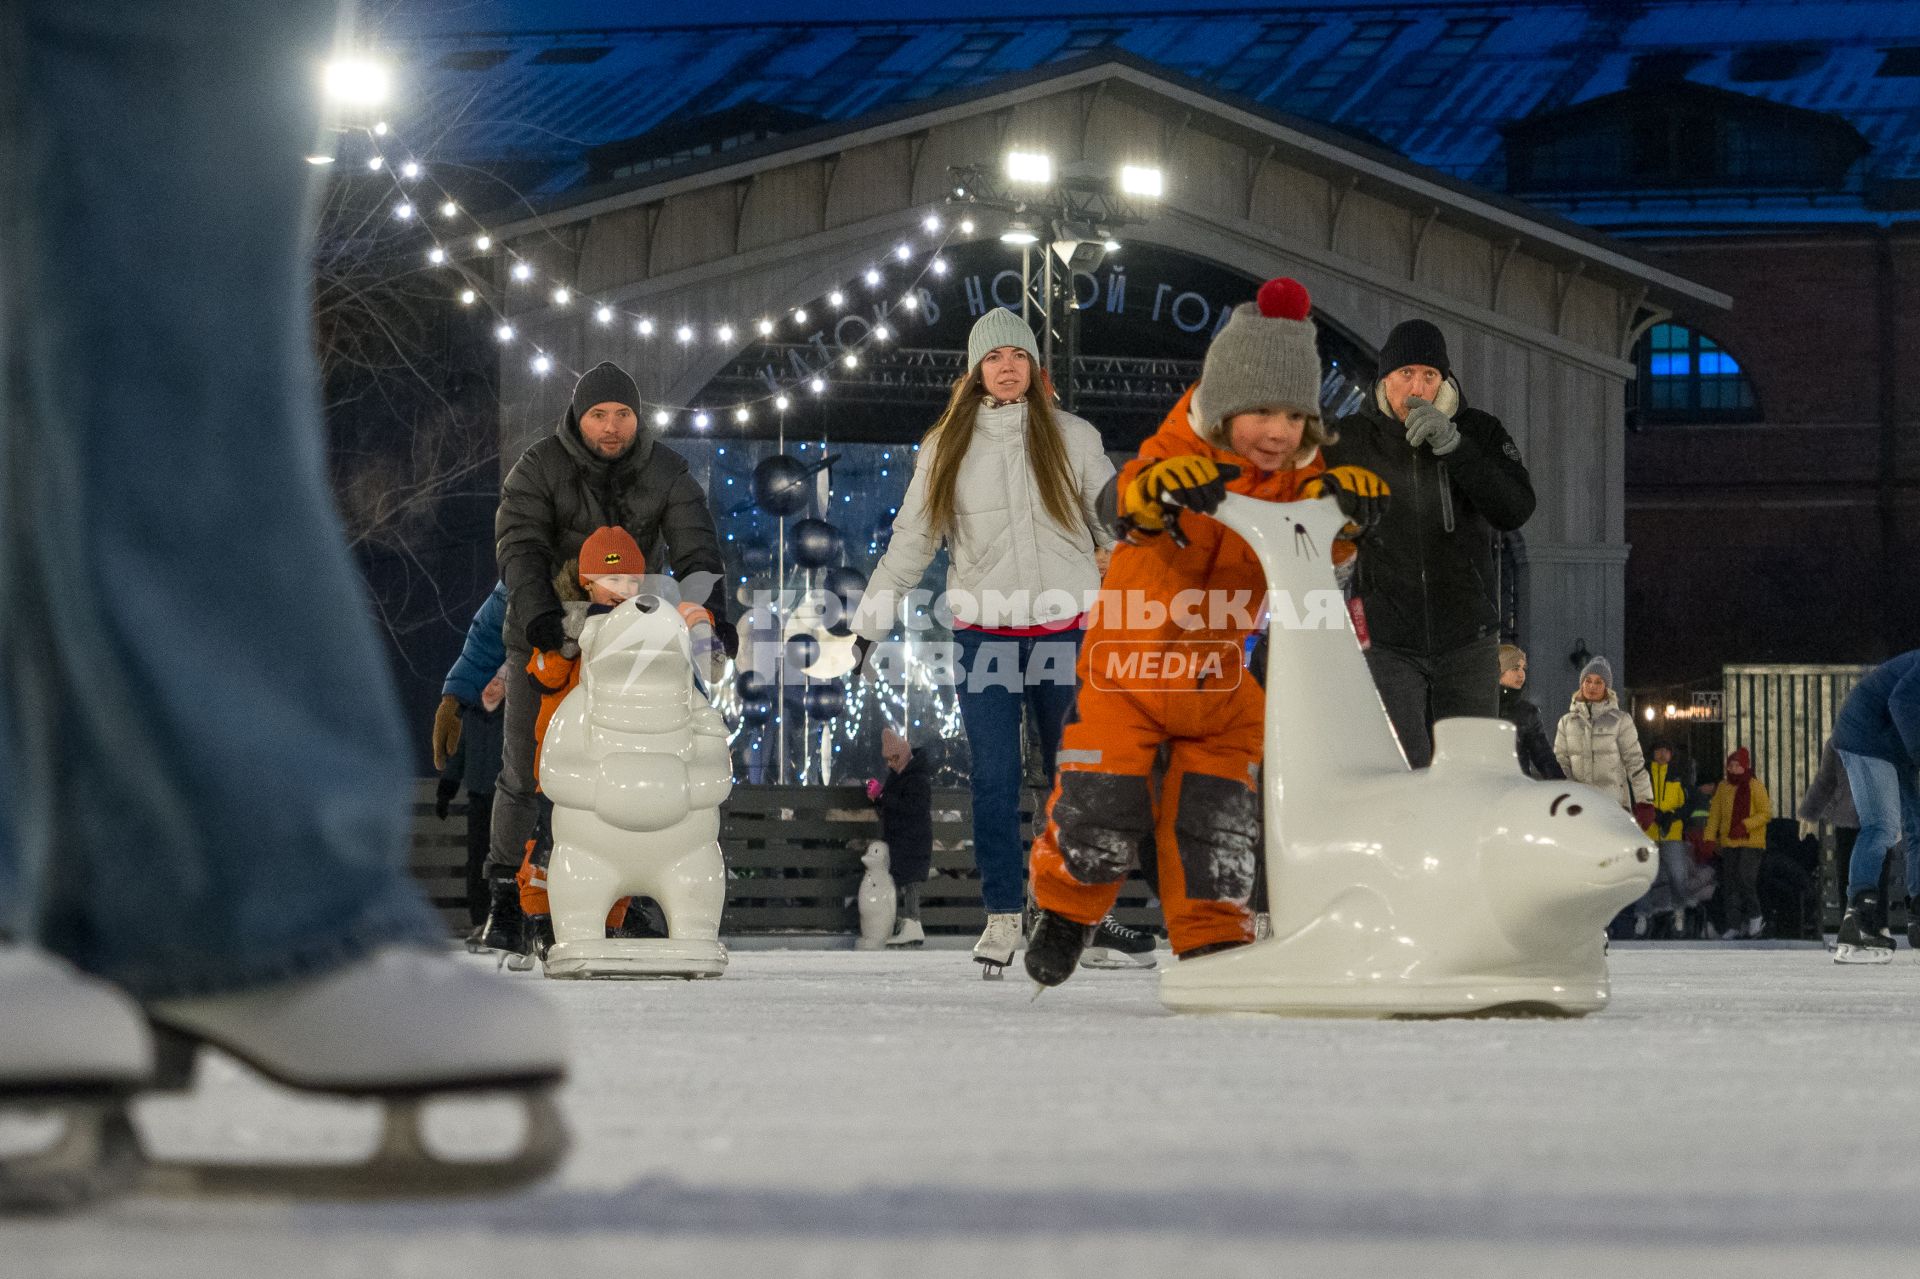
<point x="1862" y="955"/>
<point x="401" y="1167"/>
<point x="96" y="1156"/>
<point x="992" y="969"/>
<point x="906" y="945"/>
<point x="1102" y="957"/>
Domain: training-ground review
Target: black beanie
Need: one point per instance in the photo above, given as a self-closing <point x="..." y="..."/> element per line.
<point x="605" y="383"/>
<point x="1415" y="342"/>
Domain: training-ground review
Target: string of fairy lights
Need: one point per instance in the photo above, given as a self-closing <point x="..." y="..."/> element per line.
<point x="458" y="242"/>
<point x="885" y="285"/>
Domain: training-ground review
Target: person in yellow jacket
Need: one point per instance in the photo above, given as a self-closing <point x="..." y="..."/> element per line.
<point x="1669" y="891"/>
<point x="1737" y="827"/>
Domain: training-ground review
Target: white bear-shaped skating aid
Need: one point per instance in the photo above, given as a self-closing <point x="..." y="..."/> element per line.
<point x="636" y="764"/>
<point x="1462" y="888"/>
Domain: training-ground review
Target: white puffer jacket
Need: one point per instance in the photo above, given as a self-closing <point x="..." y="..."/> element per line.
<point x="1010" y="564"/>
<point x="1597" y="743"/>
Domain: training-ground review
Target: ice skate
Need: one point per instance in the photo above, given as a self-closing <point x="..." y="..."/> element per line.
<point x="477" y="939"/>
<point x="402" y="1026"/>
<point x="997" y="944"/>
<point x="1864" y="937"/>
<point x="75" y="1048"/>
<point x="907" y="934"/>
<point x="505" y="931"/>
<point x="1115" y="945"/>
<point x="1055" y="948"/>
<point x="1913" y="922"/>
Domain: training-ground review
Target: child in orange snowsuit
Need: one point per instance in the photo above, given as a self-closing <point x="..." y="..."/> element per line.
<point x="610" y="568"/>
<point x="1163" y="659"/>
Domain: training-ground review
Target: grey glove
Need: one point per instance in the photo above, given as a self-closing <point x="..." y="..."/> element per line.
<point x="1428" y="425"/>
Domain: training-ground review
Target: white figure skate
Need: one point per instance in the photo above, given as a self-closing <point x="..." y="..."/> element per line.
<point x="876" y="899"/>
<point x="401" y="1026"/>
<point x="636" y="764"/>
<point x="1462" y="889"/>
<point x="76" y="1049"/>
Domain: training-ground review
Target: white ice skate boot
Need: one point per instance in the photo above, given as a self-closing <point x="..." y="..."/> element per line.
<point x="907" y="933"/>
<point x="401" y="1025"/>
<point x="77" y="1048"/>
<point x="997" y="944"/>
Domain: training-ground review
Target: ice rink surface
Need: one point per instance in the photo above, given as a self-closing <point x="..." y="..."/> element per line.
<point x="1738" y="1111"/>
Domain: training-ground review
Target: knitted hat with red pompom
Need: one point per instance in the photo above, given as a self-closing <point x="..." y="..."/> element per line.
<point x="1265" y="357"/>
<point x="608" y="552"/>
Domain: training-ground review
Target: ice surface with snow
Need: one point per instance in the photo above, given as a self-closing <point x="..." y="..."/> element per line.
<point x="1738" y="1110"/>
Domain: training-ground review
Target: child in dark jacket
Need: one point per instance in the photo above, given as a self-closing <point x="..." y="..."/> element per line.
<point x="475" y="764"/>
<point x="905" y="798"/>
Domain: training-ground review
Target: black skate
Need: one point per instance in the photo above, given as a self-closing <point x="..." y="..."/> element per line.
<point x="1115" y="945"/>
<point x="1864" y="938"/>
<point x="1054" y="948"/>
<point x="506" y="928"/>
<point x="1913" y="922"/>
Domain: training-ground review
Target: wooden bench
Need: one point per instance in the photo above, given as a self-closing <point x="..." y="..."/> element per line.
<point x="793" y="860"/>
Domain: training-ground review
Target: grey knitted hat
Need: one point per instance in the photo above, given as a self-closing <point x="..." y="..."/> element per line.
<point x="997" y="328"/>
<point x="1599" y="666"/>
<point x="1264" y="357"/>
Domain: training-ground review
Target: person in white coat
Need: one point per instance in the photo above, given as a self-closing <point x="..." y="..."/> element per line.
<point x="1597" y="743"/>
<point x="1007" y="482"/>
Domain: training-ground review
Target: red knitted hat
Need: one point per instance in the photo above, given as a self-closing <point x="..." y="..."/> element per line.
<point x="608" y="551"/>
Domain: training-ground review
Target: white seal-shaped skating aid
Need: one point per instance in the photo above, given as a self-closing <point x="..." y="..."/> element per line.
<point x="1459" y="889"/>
<point x="636" y="764"/>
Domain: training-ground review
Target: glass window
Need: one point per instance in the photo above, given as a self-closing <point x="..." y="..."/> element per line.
<point x="1254" y="69"/>
<point x="1686" y="376"/>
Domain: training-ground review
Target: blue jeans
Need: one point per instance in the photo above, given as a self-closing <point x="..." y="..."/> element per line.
<point x="997" y="676"/>
<point x="207" y="781"/>
<point x="1887" y="797"/>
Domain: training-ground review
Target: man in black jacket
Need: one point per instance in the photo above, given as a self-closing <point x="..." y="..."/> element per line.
<point x="1427" y="579"/>
<point x="597" y="469"/>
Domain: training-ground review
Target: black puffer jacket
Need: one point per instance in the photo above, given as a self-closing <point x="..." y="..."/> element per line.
<point x="906" y="819"/>
<point x="1535" y="747"/>
<point x="560" y="491"/>
<point x="1426" y="574"/>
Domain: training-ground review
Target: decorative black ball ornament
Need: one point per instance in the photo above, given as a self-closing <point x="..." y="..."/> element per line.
<point x="816" y="543"/>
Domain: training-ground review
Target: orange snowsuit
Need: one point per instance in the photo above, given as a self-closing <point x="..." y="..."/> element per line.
<point x="1173" y="675"/>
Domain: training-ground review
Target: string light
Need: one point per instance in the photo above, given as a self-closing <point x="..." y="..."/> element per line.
<point x="966" y="226"/>
<point x="483" y="242"/>
<point x="449" y="209"/>
<point x="882" y="333"/>
<point x="523" y="271"/>
<point x="562" y="295"/>
<point x="909" y="302"/>
<point x="939" y="266"/>
<point x="662" y="418"/>
<point x="701" y="421"/>
<point x="542" y="365"/>
<point x="782" y="403"/>
<point x="684" y="333"/>
<point x="872" y="278"/>
<point x="410" y="170"/>
<point x="644" y="328"/>
<point x="504" y="332"/>
<point x="468" y="297"/>
<point x="836" y="299"/>
<point x="380" y="129"/>
<point x="437" y="255"/>
<point x="852" y="361"/>
<point x="818" y="386"/>
<point x="799" y="317"/>
<point x="741" y="415"/>
<point x="932" y="224"/>
<point x="403" y="211"/>
<point x="724" y="333"/>
<point x="604" y="315"/>
<point x="765" y="327"/>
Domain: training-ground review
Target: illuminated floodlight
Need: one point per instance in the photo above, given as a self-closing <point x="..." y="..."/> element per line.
<point x="1142" y="180"/>
<point x="1034" y="168"/>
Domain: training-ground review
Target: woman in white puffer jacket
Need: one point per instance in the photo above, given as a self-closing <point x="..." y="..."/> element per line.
<point x="1008" y="483"/>
<point x="1597" y="743"/>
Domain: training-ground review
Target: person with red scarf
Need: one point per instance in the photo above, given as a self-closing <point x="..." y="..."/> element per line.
<point x="1737" y="825"/>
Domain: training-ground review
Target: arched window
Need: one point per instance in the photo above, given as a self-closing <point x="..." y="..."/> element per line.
<point x="1685" y="376"/>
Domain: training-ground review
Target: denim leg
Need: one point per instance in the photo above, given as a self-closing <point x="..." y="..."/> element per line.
<point x="1876" y="797"/>
<point x="513" y="811"/>
<point x="1049" y="662"/>
<point x="990" y="696"/>
<point x="209" y="777"/>
<point x="1910" y="826"/>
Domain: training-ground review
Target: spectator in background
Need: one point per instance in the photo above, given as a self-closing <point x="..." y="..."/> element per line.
<point x="1671" y="889"/>
<point x="1426" y="581"/>
<point x="1877" y="736"/>
<point x="480" y="656"/>
<point x="475" y="764"/>
<point x="1536" y="752"/>
<point x="1737" y="829"/>
<point x="1596" y="744"/>
<point x="905" y="797"/>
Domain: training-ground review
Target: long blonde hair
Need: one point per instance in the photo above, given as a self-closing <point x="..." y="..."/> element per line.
<point x="952" y="435"/>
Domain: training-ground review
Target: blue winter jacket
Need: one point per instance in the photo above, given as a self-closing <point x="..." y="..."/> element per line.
<point x="1881" y="716"/>
<point x="484" y="651"/>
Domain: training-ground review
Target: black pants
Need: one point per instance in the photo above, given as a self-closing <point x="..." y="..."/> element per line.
<point x="513" y="811"/>
<point x="1420" y="689"/>
<point x="479" y="832"/>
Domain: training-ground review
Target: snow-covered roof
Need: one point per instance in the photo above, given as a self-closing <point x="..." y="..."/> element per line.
<point x="1438" y="82"/>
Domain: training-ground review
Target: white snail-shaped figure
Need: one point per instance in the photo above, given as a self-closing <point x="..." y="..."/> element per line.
<point x="1458" y="889"/>
<point x="636" y="764"/>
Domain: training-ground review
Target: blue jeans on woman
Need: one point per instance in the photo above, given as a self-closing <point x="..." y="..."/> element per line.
<point x="1887" y="797"/>
<point x="998" y="675"/>
<point x="206" y="782"/>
